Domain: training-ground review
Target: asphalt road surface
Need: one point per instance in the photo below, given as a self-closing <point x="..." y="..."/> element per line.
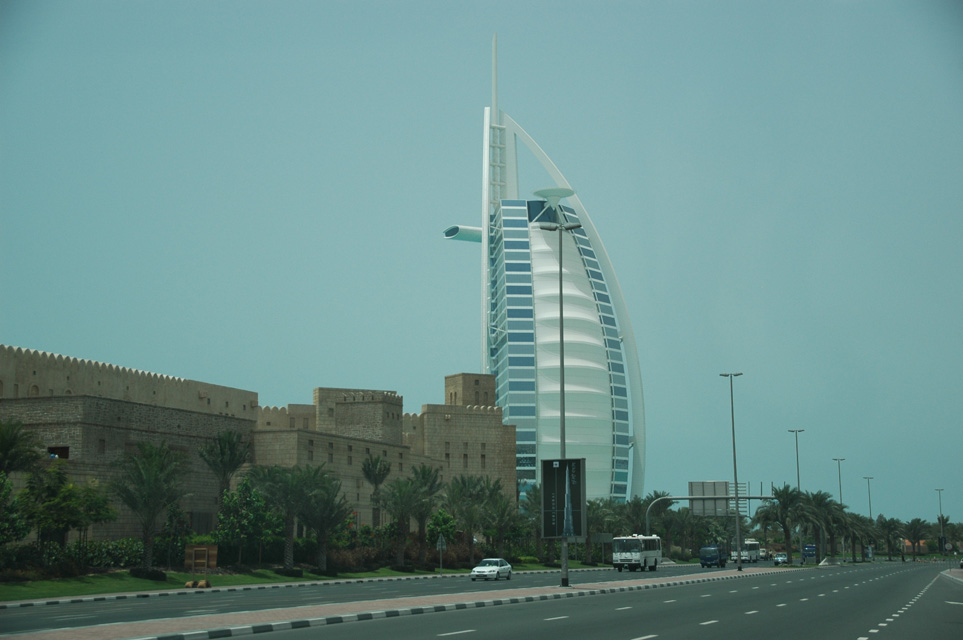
<point x="894" y="599"/>
<point x="875" y="602"/>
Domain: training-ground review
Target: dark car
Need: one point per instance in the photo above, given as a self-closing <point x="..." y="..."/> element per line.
<point x="712" y="556"/>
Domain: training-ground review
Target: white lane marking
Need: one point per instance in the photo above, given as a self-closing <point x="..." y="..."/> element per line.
<point x="749" y="613"/>
<point x="951" y="602"/>
<point x="803" y="599"/>
<point x="708" y="595"/>
<point x="623" y="608"/>
<point x="667" y="601"/>
<point x="555" y="618"/>
<point x="702" y="624"/>
<point x="75" y="617"/>
<point x="781" y="605"/>
<point x="649" y="637"/>
<point x="455" y="633"/>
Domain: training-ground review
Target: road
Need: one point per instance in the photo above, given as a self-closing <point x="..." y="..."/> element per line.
<point x="894" y="599"/>
<point x="196" y="603"/>
<point x="862" y="603"/>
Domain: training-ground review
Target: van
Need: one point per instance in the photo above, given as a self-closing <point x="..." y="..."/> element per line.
<point x="712" y="556"/>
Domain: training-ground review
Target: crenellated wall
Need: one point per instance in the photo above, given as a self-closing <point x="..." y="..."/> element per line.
<point x="360" y="413"/>
<point x="26" y="373"/>
<point x="91" y="414"/>
<point x="466" y="440"/>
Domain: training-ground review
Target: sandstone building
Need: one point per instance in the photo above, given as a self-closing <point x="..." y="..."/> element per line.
<point x="91" y="414"/>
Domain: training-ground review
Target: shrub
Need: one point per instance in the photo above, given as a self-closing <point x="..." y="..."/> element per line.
<point x="148" y="574"/>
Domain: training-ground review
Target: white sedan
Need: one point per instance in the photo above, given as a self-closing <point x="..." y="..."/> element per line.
<point x="493" y="568"/>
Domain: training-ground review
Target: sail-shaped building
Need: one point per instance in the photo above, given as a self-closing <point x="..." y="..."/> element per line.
<point x="604" y="418"/>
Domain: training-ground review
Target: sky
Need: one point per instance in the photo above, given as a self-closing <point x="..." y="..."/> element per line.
<point x="253" y="194"/>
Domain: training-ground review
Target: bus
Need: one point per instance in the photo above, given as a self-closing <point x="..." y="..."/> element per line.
<point x="751" y="553"/>
<point x="636" y="552"/>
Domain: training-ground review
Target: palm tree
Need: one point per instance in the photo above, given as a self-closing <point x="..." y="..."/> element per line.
<point x="148" y="483"/>
<point x="670" y="524"/>
<point x="401" y="500"/>
<point x="861" y="529"/>
<point x="428" y="481"/>
<point x="915" y="530"/>
<point x="821" y="514"/>
<point x="688" y="528"/>
<point x="464" y="498"/>
<point x="657" y="510"/>
<point x="501" y="515"/>
<point x="375" y="470"/>
<point x="785" y="510"/>
<point x="531" y="508"/>
<point x="324" y="509"/>
<point x="284" y="489"/>
<point x="763" y="519"/>
<point x="891" y="530"/>
<point x="633" y="516"/>
<point x="599" y="518"/>
<point x="224" y="456"/>
<point x="19" y="449"/>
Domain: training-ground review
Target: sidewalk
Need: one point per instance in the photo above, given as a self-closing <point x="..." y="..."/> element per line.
<point x="247" y="623"/>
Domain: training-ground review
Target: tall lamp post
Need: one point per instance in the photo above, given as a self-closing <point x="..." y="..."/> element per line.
<point x="552" y="196"/>
<point x="796" y="432"/>
<point x="735" y="470"/>
<point x="839" y="471"/>
<point x="939" y="492"/>
<point x="869" y="494"/>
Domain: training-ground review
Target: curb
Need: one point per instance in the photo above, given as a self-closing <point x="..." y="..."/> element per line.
<point x="251" y="587"/>
<point x="245" y="630"/>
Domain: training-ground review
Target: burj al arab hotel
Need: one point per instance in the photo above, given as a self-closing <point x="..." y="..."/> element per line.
<point x="520" y="307"/>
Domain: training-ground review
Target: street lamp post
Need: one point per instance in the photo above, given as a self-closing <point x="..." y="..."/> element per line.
<point x="796" y="432"/>
<point x="552" y="197"/>
<point x="735" y="470"/>
<point x="839" y="471"/>
<point x="939" y="492"/>
<point x="869" y="494"/>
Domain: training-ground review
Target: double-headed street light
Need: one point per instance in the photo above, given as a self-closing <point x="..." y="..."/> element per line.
<point x="552" y="197"/>
<point x="735" y="470"/>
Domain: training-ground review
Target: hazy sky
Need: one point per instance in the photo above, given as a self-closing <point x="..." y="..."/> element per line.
<point x="253" y="194"/>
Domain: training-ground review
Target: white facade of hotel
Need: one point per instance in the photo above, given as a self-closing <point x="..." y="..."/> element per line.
<point x="604" y="417"/>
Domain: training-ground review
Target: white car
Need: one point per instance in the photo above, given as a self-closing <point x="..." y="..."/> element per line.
<point x="493" y="568"/>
